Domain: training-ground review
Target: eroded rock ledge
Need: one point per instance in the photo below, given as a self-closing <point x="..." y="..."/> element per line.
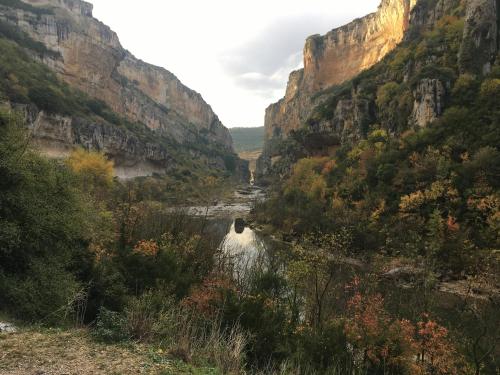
<point x="336" y="57"/>
<point x="343" y="53"/>
<point x="89" y="56"/>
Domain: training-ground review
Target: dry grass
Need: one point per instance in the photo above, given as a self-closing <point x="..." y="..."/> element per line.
<point x="50" y="352"/>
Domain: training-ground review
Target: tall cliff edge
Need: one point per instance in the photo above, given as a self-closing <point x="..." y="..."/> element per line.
<point x="394" y="69"/>
<point x="88" y="56"/>
<point x="336" y="57"/>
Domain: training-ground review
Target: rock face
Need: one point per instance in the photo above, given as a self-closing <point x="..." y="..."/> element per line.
<point x="425" y="13"/>
<point x="317" y="102"/>
<point x="336" y="57"/>
<point x="56" y="136"/>
<point x="344" y="52"/>
<point x="350" y="118"/>
<point x="429" y="101"/>
<point x="90" y="57"/>
<point x="480" y="46"/>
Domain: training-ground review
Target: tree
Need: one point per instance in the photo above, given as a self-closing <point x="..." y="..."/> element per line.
<point x="380" y="343"/>
<point x="317" y="259"/>
<point x="94" y="169"/>
<point x="436" y="355"/>
<point x="307" y="178"/>
<point x="42" y="228"/>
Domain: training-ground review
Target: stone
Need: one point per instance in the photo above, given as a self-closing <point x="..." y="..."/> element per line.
<point x="480" y="40"/>
<point x="239" y="225"/>
<point x="350" y="118"/>
<point x="88" y="56"/>
<point x="429" y="102"/>
<point x="335" y="58"/>
<point x="56" y="136"/>
<point x="7" y="328"/>
<point x="425" y="14"/>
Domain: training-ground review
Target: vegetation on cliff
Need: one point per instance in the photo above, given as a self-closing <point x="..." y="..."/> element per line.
<point x="412" y="182"/>
<point x="387" y="236"/>
<point x="36" y="77"/>
<point x="26" y="83"/>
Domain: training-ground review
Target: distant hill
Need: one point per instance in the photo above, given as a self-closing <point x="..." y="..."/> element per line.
<point x="247" y="139"/>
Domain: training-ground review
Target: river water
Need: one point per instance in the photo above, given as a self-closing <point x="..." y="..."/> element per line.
<point x="241" y="252"/>
<point x="245" y="249"/>
<point x="242" y="248"/>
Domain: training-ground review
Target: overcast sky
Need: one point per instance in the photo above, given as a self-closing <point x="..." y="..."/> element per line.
<point x="237" y="54"/>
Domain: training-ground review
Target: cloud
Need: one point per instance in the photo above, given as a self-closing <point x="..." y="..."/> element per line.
<point x="269" y="85"/>
<point x="263" y="64"/>
<point x="238" y="55"/>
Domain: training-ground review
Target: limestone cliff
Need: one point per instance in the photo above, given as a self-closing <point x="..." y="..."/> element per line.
<point x="88" y="55"/>
<point x="55" y="135"/>
<point x="481" y="39"/>
<point x="429" y="101"/>
<point x="416" y="51"/>
<point x="336" y="57"/>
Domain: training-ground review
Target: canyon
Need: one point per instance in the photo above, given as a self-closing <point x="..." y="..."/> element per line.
<point x="333" y="65"/>
<point x="336" y="57"/>
<point x="88" y="56"/>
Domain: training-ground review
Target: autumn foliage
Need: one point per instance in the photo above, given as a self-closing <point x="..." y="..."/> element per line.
<point x="147" y="248"/>
<point x="94" y="169"/>
<point x="208" y="297"/>
<point x="396" y="346"/>
<point x="435" y="352"/>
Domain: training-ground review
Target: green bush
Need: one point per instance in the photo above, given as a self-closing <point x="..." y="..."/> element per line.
<point x="108" y="288"/>
<point x="42" y="228"/>
<point x="149" y="316"/>
<point x="325" y="349"/>
<point x="465" y="89"/>
<point x="111" y="327"/>
<point x="44" y="295"/>
<point x="386" y="93"/>
<point x="27" y="7"/>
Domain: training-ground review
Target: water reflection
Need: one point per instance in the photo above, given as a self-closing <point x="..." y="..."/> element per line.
<point x="243" y="251"/>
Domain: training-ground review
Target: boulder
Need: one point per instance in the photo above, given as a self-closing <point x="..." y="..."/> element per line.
<point x="239" y="225"/>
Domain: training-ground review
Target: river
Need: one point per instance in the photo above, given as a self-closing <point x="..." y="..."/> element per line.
<point x="242" y="247"/>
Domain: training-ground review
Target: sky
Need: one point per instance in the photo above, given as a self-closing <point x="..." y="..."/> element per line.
<point x="236" y="54"/>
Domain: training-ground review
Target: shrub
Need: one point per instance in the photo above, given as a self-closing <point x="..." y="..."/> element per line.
<point x="465" y="89"/>
<point x="394" y="103"/>
<point x="149" y="317"/>
<point x="44" y="295"/>
<point x="95" y="171"/>
<point x="307" y="178"/>
<point x="27" y="7"/>
<point x="386" y="93"/>
<point x="110" y="327"/>
<point x="48" y="100"/>
<point x="43" y="227"/>
<point x="13" y="33"/>
<point x="490" y="92"/>
<point x="324" y="349"/>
